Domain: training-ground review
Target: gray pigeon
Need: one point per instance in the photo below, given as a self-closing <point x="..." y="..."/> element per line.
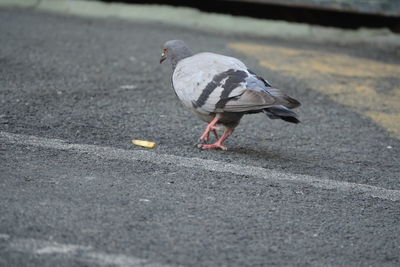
<point x="221" y="89"/>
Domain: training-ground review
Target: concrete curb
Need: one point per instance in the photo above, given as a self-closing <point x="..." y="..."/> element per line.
<point x="210" y="22"/>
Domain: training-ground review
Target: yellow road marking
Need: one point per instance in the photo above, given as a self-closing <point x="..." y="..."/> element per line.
<point x="362" y="84"/>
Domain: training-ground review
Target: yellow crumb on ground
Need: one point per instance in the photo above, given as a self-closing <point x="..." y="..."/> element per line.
<point x="143" y="143"/>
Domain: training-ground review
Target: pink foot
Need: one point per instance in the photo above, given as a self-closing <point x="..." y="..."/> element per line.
<point x="211" y="146"/>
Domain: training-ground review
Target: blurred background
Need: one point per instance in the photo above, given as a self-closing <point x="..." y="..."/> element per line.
<point x="336" y="13"/>
<point x="79" y="79"/>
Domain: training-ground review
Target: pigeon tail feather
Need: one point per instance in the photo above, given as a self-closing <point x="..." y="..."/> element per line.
<point x="281" y="112"/>
<point x="292" y="103"/>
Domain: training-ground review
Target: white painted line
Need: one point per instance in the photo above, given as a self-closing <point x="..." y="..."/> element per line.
<point x="81" y="253"/>
<point x="205" y="164"/>
<point x="128" y="86"/>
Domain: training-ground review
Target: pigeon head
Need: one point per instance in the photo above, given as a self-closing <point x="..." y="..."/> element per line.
<point x="175" y="50"/>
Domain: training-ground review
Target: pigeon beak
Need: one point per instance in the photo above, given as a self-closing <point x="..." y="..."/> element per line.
<point x="163" y="57"/>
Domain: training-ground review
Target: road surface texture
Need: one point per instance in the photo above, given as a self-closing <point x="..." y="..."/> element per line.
<point x="75" y="192"/>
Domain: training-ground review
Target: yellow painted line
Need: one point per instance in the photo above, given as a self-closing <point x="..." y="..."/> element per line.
<point x="364" y="85"/>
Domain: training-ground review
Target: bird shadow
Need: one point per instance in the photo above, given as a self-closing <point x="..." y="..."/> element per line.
<point x="270" y="155"/>
<point x="258" y="153"/>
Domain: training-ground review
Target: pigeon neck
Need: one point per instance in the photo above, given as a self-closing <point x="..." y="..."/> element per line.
<point x="175" y="58"/>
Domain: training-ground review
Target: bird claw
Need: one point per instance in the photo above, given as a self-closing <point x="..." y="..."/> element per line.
<point x="211" y="146"/>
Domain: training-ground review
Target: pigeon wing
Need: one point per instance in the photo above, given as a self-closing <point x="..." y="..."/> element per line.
<point x="202" y="80"/>
<point x="211" y="83"/>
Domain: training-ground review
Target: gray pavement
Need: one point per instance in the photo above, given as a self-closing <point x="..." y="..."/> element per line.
<point x="75" y="192"/>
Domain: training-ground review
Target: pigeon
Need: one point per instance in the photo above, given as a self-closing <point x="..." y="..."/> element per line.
<point x="221" y="89"/>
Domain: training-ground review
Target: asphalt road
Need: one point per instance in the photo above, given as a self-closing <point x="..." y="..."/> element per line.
<point x="75" y="192"/>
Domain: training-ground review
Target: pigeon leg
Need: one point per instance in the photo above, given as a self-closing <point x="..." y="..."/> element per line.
<point x="205" y="141"/>
<point x="215" y="134"/>
<point x="210" y="127"/>
<point x="218" y="144"/>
